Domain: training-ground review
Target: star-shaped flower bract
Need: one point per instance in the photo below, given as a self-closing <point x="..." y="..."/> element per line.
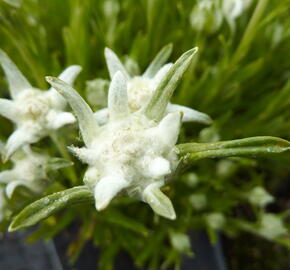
<point x="34" y="112"/>
<point x="141" y="88"/>
<point x="134" y="152"/>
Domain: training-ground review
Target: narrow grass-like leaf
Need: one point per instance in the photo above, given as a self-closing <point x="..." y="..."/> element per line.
<point x="115" y="217"/>
<point x="49" y="205"/>
<point x="159" y="101"/>
<point x="159" y="60"/>
<point x="248" y="147"/>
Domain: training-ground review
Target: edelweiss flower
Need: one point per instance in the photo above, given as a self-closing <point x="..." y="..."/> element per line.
<point x="29" y="170"/>
<point x="130" y="153"/>
<point x="134" y="152"/>
<point x="141" y="88"/>
<point x="34" y="112"/>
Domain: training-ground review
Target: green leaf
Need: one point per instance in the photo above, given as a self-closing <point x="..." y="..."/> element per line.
<point x="126" y="222"/>
<point x="159" y="101"/>
<point x="49" y="205"/>
<point x="57" y="163"/>
<point x="248" y="147"/>
<point x="158" y="61"/>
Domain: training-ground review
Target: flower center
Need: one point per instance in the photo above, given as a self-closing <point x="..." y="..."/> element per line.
<point x="139" y="92"/>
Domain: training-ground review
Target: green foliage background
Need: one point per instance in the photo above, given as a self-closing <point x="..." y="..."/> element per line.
<point x="240" y="78"/>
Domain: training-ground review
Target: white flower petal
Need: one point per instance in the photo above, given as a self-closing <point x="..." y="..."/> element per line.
<point x="117" y="97"/>
<point x="68" y="75"/>
<point x="114" y="64"/>
<point x="160" y="203"/>
<point x="168" y="128"/>
<point x="189" y="115"/>
<point x="57" y="119"/>
<point x="107" y="188"/>
<point x="159" y="167"/>
<point x="160" y="75"/>
<point x="11" y="187"/>
<point x="17" y="82"/>
<point x="9" y="110"/>
<point x="102" y="116"/>
<point x="87" y="122"/>
<point x="17" y="139"/>
<point x="7" y="176"/>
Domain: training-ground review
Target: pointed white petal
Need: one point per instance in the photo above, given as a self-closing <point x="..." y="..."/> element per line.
<point x="160" y="203"/>
<point x="87" y="122"/>
<point x="102" y="116"/>
<point x="11" y="187"/>
<point x="190" y="115"/>
<point x="107" y="188"/>
<point x="158" y="61"/>
<point x="159" y="167"/>
<point x="17" y="82"/>
<point x="57" y="119"/>
<point x="114" y="64"/>
<point x="68" y="75"/>
<point x="117" y="97"/>
<point x="7" y="176"/>
<point x="160" y="75"/>
<point x="84" y="154"/>
<point x="169" y="127"/>
<point x="17" y="139"/>
<point x="9" y="110"/>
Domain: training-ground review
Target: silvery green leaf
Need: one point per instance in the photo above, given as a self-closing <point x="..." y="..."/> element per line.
<point x="49" y="205"/>
<point x="158" y="61"/>
<point x="87" y="122"/>
<point x="160" y="98"/>
<point x="68" y="75"/>
<point x="190" y="115"/>
<point x="248" y="147"/>
<point x="158" y="201"/>
<point x="17" y="82"/>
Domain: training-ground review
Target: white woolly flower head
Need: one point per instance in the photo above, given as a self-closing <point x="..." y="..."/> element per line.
<point x="134" y="152"/>
<point x="130" y="154"/>
<point x="34" y="112"/>
<point x="141" y="88"/>
<point x="29" y="170"/>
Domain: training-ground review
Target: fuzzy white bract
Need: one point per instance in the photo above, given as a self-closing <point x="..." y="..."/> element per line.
<point x="29" y="170"/>
<point x="129" y="154"/>
<point x="141" y="88"/>
<point x="34" y="112"/>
